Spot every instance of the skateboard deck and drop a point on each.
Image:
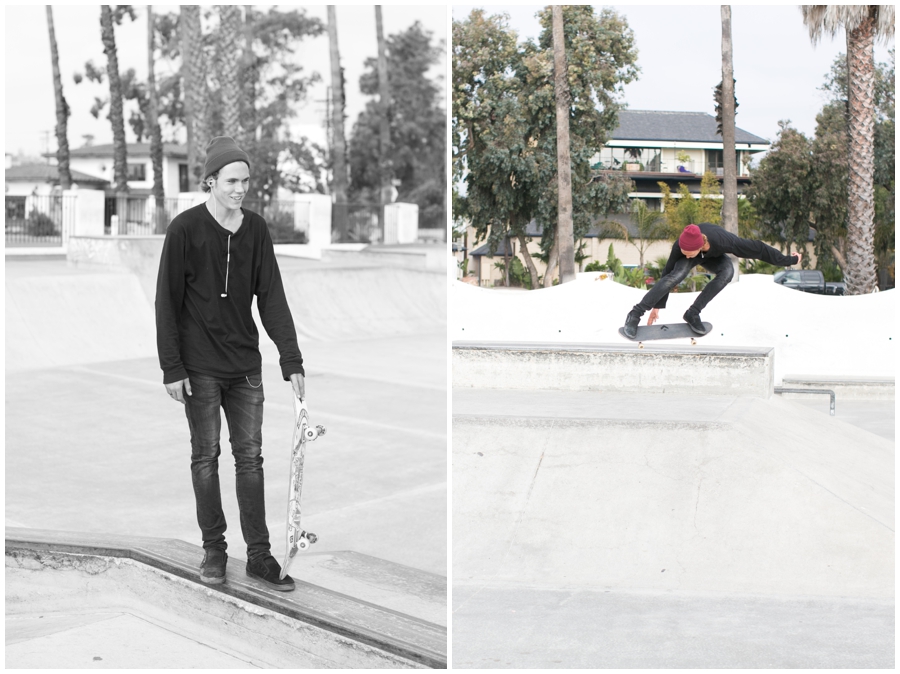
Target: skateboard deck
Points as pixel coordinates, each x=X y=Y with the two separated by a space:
x=648 y=333
x=297 y=538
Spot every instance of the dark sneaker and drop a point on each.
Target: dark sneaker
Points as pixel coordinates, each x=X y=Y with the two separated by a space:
x=267 y=570
x=631 y=324
x=212 y=568
x=692 y=318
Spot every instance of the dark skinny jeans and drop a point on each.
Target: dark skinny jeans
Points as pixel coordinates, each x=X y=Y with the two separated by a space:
x=242 y=400
x=720 y=266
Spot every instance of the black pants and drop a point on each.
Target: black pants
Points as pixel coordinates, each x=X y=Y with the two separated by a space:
x=720 y=267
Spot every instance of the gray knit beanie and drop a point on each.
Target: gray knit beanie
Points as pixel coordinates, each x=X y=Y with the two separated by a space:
x=221 y=151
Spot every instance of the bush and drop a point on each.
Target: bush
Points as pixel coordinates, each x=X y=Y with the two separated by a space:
x=518 y=275
x=40 y=224
x=281 y=227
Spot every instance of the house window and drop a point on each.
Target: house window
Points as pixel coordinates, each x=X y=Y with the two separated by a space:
x=183 y=178
x=715 y=162
x=137 y=172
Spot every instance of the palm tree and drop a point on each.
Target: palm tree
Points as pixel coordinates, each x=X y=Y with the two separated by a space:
x=729 y=179
x=649 y=225
x=116 y=114
x=863 y=24
x=156 y=150
x=227 y=41
x=384 y=107
x=565 y=233
x=62 y=111
x=339 y=143
x=193 y=73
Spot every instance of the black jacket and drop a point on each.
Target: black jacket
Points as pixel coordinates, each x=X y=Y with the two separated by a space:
x=722 y=242
x=200 y=331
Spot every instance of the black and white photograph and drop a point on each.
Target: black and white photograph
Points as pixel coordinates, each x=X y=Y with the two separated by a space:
x=226 y=357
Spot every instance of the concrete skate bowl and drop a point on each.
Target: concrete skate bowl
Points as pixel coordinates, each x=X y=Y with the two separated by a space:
x=660 y=507
x=100 y=307
x=347 y=301
x=708 y=504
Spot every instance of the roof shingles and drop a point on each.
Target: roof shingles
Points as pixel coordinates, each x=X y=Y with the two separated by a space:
x=675 y=126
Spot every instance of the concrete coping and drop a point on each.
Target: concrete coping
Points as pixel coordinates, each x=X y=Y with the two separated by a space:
x=837 y=379
x=387 y=630
x=585 y=347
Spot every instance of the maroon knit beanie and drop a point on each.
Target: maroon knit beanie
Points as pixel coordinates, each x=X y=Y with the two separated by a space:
x=691 y=238
x=220 y=152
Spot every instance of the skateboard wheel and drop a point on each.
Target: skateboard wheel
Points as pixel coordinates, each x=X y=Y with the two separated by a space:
x=321 y=430
x=303 y=544
x=312 y=538
x=310 y=434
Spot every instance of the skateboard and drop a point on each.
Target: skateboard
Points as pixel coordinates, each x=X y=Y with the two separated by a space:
x=297 y=538
x=648 y=333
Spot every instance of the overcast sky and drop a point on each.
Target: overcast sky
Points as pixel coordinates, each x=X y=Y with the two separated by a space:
x=29 y=105
x=778 y=71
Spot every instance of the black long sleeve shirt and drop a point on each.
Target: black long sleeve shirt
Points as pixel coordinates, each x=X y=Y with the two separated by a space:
x=722 y=242
x=199 y=330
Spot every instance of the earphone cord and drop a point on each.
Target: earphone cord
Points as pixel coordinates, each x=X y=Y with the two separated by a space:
x=227 y=265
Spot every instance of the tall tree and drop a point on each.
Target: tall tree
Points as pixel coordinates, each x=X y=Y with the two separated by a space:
x=862 y=23
x=504 y=124
x=189 y=28
x=156 y=147
x=418 y=128
x=62 y=110
x=228 y=39
x=729 y=154
x=384 y=110
x=565 y=233
x=338 y=150
x=116 y=114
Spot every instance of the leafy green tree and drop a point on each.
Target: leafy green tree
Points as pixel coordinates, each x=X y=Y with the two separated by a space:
x=710 y=210
x=504 y=122
x=781 y=188
x=417 y=129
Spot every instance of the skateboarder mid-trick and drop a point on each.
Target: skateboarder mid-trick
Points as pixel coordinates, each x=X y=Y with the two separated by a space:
x=215 y=258
x=704 y=244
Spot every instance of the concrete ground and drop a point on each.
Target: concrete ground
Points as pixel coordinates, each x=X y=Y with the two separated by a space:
x=554 y=561
x=555 y=629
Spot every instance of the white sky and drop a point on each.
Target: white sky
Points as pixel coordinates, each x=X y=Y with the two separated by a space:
x=777 y=69
x=30 y=113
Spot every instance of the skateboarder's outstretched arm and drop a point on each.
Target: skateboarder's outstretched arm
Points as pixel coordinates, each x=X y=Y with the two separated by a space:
x=757 y=250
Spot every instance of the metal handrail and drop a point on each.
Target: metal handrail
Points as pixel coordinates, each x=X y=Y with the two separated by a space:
x=780 y=389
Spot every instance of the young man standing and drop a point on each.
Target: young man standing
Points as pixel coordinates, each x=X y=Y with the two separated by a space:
x=704 y=244
x=215 y=258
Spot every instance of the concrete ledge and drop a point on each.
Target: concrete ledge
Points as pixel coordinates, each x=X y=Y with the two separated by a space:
x=845 y=388
x=694 y=370
x=382 y=637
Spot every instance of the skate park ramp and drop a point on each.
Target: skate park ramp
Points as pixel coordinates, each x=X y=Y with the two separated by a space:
x=87 y=419
x=623 y=510
x=811 y=334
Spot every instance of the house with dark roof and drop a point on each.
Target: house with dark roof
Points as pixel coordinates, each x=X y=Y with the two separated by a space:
x=650 y=147
x=37 y=179
x=98 y=160
x=672 y=147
